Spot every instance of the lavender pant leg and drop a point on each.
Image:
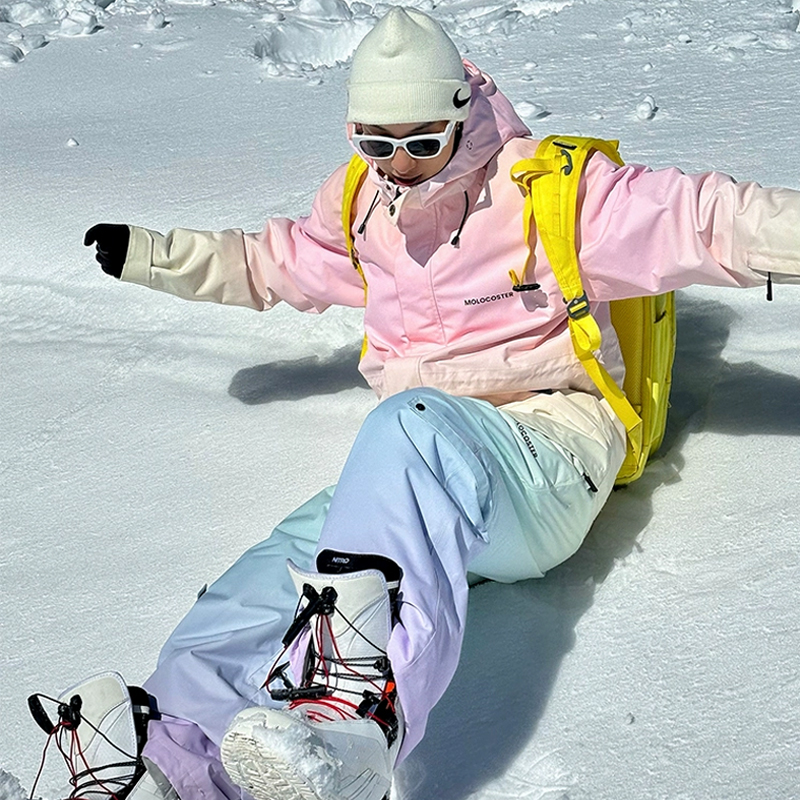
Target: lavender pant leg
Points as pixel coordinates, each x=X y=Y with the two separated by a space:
x=190 y=761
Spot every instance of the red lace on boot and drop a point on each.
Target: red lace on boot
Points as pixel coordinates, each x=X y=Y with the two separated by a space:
x=88 y=782
x=333 y=686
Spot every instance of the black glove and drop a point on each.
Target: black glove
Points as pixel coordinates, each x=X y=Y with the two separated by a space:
x=112 y=246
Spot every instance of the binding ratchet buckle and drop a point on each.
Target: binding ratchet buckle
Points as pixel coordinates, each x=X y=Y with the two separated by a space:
x=578 y=307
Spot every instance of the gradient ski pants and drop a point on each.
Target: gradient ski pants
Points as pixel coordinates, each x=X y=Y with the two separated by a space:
x=444 y=486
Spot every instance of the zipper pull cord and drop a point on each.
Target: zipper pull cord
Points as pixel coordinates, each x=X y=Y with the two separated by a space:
x=456 y=240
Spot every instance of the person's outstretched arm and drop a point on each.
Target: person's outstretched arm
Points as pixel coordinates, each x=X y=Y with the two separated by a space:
x=650 y=231
x=303 y=262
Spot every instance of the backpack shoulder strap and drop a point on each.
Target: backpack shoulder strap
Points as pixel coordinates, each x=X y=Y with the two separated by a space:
x=550 y=181
x=353 y=181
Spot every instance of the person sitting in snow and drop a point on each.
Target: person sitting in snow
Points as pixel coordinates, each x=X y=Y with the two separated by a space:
x=490 y=451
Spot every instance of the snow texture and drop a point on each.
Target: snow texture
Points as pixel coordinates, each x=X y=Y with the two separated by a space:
x=147 y=442
x=10 y=788
x=307 y=757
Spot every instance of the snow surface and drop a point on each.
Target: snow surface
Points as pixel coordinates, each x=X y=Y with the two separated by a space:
x=146 y=442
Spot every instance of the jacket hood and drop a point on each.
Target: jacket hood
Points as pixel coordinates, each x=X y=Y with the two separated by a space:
x=491 y=123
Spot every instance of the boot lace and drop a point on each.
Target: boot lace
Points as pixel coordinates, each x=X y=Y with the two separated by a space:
x=333 y=686
x=88 y=782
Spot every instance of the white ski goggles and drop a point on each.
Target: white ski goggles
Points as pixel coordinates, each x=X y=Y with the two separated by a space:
x=422 y=145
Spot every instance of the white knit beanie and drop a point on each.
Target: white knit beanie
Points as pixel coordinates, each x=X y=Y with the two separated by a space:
x=407 y=69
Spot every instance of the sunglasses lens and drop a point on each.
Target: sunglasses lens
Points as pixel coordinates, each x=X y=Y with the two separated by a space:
x=423 y=148
x=374 y=148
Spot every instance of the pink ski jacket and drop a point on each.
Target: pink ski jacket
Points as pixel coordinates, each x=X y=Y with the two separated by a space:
x=440 y=310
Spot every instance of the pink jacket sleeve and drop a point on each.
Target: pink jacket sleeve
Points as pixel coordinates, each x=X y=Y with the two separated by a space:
x=305 y=262
x=647 y=232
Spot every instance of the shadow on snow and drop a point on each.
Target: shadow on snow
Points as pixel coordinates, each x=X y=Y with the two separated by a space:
x=299 y=378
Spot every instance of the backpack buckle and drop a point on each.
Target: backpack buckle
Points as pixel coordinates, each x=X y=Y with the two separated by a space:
x=565 y=148
x=578 y=307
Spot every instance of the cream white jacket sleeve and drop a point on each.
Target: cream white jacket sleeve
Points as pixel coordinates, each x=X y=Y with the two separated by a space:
x=194 y=265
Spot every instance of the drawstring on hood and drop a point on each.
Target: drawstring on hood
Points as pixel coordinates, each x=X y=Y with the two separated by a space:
x=363 y=226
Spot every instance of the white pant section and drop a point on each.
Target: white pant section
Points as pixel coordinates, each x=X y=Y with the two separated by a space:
x=446 y=487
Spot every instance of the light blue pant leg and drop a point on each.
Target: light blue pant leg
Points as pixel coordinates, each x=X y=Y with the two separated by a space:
x=213 y=664
x=441 y=485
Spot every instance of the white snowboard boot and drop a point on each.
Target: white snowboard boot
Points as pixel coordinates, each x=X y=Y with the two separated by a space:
x=100 y=733
x=339 y=735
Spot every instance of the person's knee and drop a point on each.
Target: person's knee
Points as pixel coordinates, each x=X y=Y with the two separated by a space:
x=410 y=400
x=437 y=425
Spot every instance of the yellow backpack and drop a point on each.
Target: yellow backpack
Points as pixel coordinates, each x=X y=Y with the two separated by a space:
x=645 y=325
